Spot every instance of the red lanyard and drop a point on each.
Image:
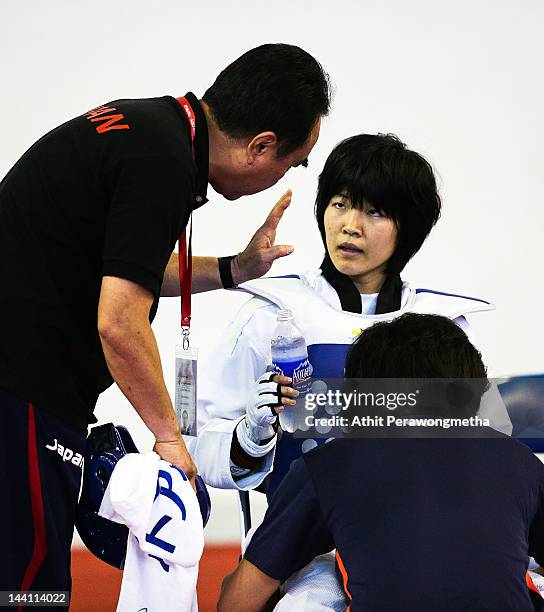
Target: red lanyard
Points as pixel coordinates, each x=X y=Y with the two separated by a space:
x=185 y=258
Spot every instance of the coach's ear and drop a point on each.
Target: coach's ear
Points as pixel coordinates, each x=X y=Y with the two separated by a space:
x=264 y=146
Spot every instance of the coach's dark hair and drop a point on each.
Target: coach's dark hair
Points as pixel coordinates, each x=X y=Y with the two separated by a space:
x=419 y=346
x=378 y=170
x=276 y=87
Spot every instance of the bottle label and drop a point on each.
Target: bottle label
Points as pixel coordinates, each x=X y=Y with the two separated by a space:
x=299 y=371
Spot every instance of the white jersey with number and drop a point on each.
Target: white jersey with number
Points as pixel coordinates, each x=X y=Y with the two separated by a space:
x=166 y=536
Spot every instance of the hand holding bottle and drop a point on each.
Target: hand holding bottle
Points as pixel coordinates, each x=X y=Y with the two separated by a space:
x=268 y=398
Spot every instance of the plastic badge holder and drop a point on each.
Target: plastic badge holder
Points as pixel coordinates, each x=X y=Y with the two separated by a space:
x=185 y=403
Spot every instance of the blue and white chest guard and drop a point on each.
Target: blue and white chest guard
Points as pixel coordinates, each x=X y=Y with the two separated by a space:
x=329 y=331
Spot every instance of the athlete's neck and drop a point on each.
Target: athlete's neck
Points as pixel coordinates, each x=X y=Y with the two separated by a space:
x=370 y=282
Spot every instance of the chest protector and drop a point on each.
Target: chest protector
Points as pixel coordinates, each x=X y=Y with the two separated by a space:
x=329 y=332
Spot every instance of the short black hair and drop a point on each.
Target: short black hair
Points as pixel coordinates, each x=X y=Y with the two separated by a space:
x=380 y=171
x=418 y=346
x=414 y=346
x=276 y=87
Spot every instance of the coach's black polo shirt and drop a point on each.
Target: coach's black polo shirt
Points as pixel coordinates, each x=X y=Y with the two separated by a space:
x=420 y=525
x=105 y=194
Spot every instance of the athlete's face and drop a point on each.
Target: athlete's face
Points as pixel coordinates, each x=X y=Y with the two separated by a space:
x=257 y=166
x=359 y=242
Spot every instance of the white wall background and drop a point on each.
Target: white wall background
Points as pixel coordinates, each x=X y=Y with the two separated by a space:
x=459 y=81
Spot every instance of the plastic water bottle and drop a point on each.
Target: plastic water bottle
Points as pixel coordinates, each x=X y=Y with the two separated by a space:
x=290 y=358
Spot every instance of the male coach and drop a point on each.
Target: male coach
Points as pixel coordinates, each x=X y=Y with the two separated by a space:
x=89 y=218
x=420 y=522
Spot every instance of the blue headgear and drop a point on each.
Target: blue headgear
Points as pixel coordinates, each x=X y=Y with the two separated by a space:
x=106 y=445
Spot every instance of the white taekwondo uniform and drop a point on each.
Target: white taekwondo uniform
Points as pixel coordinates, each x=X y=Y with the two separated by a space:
x=243 y=354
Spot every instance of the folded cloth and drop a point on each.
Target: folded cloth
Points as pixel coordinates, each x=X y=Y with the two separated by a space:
x=157 y=503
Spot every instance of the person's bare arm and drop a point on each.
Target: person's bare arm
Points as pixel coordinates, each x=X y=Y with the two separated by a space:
x=205 y=276
x=133 y=359
x=254 y=261
x=247 y=589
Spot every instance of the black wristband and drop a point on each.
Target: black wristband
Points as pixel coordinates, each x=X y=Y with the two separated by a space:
x=239 y=456
x=225 y=271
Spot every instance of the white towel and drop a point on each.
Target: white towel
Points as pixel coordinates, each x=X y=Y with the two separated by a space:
x=166 y=539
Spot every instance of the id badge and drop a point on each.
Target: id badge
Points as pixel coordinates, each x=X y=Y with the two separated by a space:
x=185 y=395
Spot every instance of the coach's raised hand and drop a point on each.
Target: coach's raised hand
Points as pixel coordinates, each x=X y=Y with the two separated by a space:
x=261 y=252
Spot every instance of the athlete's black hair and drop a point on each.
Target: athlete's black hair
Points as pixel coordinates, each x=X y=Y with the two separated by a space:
x=276 y=87
x=380 y=171
x=420 y=346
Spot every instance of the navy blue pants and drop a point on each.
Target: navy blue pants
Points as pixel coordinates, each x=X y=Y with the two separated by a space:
x=40 y=473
